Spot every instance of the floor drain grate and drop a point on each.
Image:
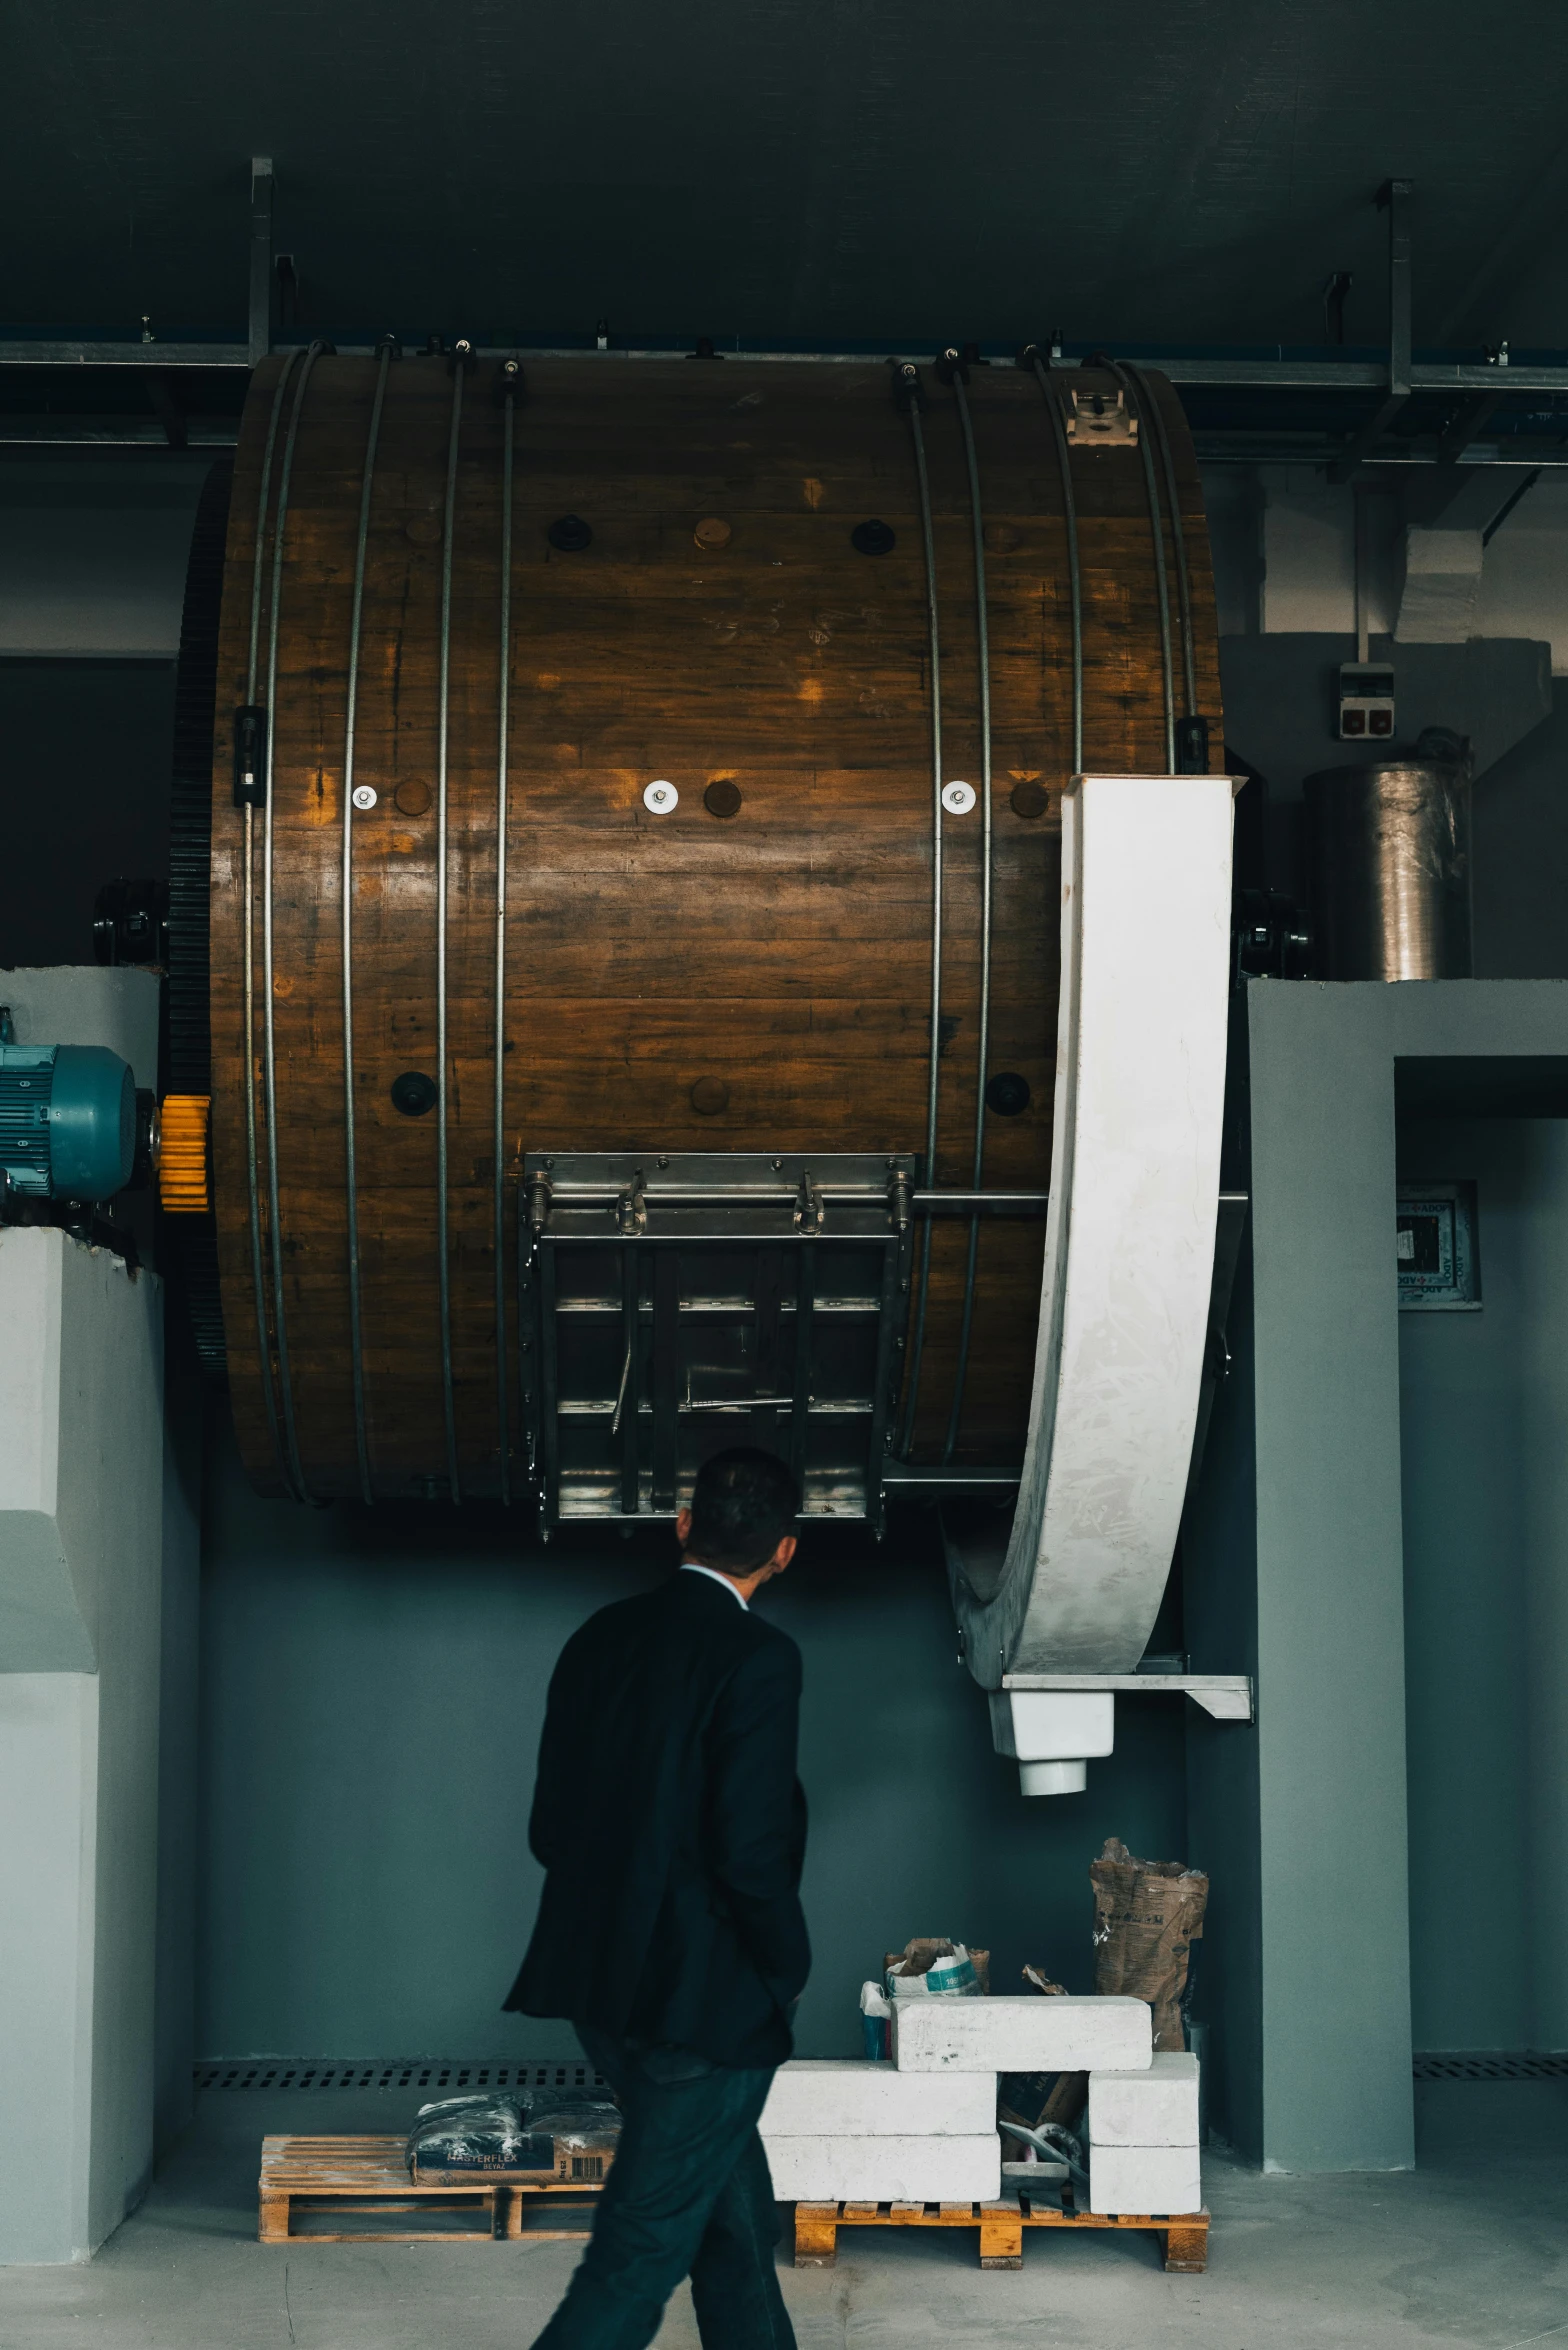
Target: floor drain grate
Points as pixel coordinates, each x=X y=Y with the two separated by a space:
x=449 y=2076
x=1492 y=2065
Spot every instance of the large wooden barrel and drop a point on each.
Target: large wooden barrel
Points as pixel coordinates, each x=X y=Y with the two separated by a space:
x=672 y=575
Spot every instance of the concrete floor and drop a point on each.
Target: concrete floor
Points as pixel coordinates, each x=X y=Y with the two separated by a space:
x=1471 y=2248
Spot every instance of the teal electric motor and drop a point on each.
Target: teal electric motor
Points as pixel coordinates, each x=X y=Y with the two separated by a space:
x=68 y=1121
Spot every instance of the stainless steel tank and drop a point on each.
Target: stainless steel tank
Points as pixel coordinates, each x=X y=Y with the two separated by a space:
x=1391 y=855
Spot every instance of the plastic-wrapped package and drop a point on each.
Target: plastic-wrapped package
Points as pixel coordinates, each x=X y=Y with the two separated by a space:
x=469 y=2134
x=566 y=2139
x=583 y=2134
x=930 y=1968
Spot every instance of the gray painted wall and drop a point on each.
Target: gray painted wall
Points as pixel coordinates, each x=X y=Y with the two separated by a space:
x=1520 y=843
x=373 y=1692
x=1484 y=1416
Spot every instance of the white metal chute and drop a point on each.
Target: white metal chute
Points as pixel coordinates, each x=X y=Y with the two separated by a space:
x=1129 y=1251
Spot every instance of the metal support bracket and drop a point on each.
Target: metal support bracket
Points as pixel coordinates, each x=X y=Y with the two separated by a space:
x=673 y=1301
x=263 y=282
x=1394 y=198
x=1228 y=1697
x=1471 y=421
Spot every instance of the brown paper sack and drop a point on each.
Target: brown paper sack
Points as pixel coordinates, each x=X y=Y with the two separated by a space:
x=1146 y=1913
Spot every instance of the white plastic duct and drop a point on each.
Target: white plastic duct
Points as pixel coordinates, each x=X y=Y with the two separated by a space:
x=1129 y=1246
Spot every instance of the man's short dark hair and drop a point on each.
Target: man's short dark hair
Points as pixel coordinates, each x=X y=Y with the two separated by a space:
x=743 y=1504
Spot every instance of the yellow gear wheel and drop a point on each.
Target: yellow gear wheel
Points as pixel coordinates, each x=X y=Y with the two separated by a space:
x=183 y=1187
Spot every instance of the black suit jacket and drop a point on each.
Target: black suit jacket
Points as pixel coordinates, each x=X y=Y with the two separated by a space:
x=672 y=1829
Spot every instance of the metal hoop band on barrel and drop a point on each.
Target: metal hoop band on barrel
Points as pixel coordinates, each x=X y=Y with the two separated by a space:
x=1070 y=522
x=1151 y=408
x=913 y=396
x=1138 y=406
x=350 y=1158
x=274 y=1232
x=971 y=1264
x=443 y=1238
x=503 y=1428
x=253 y=1177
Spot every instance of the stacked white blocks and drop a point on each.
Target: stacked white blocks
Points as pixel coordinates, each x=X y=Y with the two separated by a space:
x=1143 y=2138
x=923 y=2129
x=856 y=2132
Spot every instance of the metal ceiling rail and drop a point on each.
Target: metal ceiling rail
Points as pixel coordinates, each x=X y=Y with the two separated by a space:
x=1399 y=376
x=1213 y=373
x=66 y=353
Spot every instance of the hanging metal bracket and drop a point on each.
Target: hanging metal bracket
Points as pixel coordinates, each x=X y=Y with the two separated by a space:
x=1394 y=198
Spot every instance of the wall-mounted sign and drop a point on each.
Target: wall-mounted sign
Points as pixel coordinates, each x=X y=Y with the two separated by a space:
x=1438 y=1246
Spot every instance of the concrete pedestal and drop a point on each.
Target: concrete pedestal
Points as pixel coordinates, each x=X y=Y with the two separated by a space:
x=81 y=1524
x=1294 y=1557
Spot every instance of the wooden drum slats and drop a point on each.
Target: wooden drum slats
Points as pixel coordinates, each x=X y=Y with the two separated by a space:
x=784 y=950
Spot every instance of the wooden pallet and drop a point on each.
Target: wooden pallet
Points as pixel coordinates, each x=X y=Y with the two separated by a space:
x=367 y=2178
x=1001 y=2227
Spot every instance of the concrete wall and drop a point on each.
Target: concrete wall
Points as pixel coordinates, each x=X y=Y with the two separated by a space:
x=1285 y=548
x=92 y=554
x=1484 y=1417
x=85 y=752
x=373 y=1692
x=1520 y=856
x=80 y=1564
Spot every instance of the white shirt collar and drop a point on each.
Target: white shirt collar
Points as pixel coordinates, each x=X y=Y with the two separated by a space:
x=690 y=1567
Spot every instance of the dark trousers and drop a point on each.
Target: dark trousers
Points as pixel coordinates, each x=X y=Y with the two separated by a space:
x=688 y=2195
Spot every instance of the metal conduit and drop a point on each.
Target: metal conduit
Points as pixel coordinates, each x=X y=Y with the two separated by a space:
x=501 y=1404
x=258 y=1282
x=1070 y=520
x=984 y=1044
x=1151 y=408
x=911 y=392
x=274 y=1223
x=1157 y=526
x=443 y=1267
x=351 y=1167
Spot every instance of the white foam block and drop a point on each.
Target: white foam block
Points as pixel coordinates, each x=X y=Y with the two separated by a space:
x=1154 y=2108
x=853 y=2098
x=1161 y=2179
x=885 y=2170
x=1037 y=2034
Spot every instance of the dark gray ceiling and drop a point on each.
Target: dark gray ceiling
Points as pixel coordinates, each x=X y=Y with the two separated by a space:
x=1169 y=170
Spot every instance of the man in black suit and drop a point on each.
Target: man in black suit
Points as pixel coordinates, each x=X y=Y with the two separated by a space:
x=672 y=1828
